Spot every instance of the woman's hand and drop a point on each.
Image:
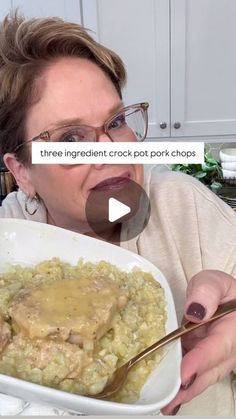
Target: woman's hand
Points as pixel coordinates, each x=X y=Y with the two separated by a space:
x=210 y=351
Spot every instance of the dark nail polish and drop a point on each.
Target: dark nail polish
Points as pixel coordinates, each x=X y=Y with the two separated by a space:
x=196 y=310
x=189 y=382
x=175 y=410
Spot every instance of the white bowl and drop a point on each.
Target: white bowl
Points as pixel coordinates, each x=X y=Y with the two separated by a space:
x=229 y=165
x=228 y=155
x=27 y=243
x=229 y=174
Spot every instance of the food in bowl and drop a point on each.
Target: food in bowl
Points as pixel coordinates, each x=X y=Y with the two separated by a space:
x=69 y=327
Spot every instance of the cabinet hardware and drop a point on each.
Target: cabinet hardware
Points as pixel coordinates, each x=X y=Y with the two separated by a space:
x=177 y=125
x=163 y=125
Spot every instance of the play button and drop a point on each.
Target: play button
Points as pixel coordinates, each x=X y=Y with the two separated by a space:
x=117 y=204
x=117 y=210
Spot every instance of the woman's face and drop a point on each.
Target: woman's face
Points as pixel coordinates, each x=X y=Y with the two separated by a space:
x=73 y=88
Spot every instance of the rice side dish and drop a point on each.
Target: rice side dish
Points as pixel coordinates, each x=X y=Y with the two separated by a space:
x=70 y=327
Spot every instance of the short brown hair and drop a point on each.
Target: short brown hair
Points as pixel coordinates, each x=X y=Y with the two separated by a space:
x=27 y=47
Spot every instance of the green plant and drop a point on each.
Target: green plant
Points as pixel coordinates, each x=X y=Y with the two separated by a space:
x=209 y=172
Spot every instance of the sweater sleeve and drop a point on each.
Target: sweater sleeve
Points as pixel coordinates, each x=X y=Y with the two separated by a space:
x=201 y=225
x=217 y=230
x=13 y=206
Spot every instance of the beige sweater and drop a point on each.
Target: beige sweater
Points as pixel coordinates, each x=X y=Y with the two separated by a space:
x=190 y=229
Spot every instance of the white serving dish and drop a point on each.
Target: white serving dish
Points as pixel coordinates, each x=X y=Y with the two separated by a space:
x=27 y=243
x=228 y=155
x=231 y=165
x=229 y=174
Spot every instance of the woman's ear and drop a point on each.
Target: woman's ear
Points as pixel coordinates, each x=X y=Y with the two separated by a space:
x=21 y=174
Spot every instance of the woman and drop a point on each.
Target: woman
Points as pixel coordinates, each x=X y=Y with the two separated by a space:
x=55 y=80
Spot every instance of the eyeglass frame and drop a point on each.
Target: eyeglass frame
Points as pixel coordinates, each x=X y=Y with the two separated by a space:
x=45 y=135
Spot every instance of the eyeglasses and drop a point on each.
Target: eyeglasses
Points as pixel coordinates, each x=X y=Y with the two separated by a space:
x=129 y=124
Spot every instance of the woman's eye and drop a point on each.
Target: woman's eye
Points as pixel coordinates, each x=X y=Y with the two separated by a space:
x=72 y=137
x=69 y=139
x=118 y=122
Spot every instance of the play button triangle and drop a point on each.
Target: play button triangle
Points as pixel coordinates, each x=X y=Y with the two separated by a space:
x=116 y=209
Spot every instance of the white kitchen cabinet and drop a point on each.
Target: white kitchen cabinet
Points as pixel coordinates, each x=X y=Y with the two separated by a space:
x=138 y=30
x=180 y=56
x=4 y=8
x=203 y=67
x=67 y=9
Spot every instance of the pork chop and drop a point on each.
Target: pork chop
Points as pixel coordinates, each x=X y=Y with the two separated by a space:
x=5 y=333
x=77 y=310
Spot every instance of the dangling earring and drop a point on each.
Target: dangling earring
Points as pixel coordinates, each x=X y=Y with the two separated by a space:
x=32 y=204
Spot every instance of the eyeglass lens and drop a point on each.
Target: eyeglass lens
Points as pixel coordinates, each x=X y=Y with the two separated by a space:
x=129 y=125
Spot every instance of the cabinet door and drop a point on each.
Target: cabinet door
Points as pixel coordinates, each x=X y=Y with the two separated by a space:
x=67 y=9
x=138 y=30
x=5 y=7
x=203 y=67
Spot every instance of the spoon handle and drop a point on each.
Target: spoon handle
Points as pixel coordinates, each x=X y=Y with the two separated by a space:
x=221 y=311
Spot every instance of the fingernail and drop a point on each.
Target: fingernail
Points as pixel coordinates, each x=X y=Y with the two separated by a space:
x=175 y=410
x=189 y=382
x=196 y=310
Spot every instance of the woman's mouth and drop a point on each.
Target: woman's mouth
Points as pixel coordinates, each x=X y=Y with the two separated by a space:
x=113 y=183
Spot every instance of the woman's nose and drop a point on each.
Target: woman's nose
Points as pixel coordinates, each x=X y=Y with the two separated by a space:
x=103 y=138
x=98 y=166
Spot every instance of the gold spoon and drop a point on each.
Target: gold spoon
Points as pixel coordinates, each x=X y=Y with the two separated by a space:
x=120 y=375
